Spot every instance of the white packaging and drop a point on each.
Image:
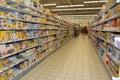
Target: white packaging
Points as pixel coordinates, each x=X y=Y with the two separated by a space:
x=117 y=42
x=118 y=1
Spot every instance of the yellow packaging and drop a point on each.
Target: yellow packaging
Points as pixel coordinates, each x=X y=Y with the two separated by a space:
x=43 y=20
x=20 y=1
x=1 y=65
x=13 y=25
x=3 y=78
x=6 y=36
x=1 y=13
x=10 y=73
x=2 y=36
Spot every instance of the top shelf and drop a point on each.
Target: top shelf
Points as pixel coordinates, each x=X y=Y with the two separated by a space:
x=106 y=21
x=112 y=6
x=23 y=5
x=5 y=8
x=10 y=1
x=16 y=10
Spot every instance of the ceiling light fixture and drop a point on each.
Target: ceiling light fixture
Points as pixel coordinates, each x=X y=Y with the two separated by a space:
x=76 y=9
x=95 y=1
x=54 y=4
x=79 y=5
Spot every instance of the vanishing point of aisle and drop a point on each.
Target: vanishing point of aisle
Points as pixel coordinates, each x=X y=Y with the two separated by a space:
x=76 y=60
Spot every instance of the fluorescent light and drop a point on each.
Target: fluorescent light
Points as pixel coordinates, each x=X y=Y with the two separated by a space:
x=76 y=9
x=70 y=6
x=95 y=1
x=49 y=4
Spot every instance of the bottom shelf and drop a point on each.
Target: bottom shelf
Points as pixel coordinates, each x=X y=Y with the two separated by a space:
x=103 y=61
x=21 y=73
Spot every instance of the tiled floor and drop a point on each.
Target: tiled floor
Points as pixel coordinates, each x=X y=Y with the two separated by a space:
x=76 y=60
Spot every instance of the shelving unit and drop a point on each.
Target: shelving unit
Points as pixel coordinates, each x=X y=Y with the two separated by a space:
x=103 y=31
x=27 y=37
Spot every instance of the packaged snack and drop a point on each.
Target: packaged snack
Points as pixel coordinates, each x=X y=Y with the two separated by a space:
x=3 y=76
x=3 y=23
x=3 y=50
x=22 y=66
x=2 y=36
x=6 y=62
x=113 y=23
x=14 y=24
x=9 y=24
x=17 y=46
x=10 y=48
x=2 y=14
x=118 y=23
x=1 y=65
x=10 y=73
x=117 y=9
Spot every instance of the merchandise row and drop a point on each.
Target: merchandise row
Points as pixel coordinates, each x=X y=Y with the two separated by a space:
x=16 y=47
x=15 y=64
x=11 y=24
x=9 y=36
x=12 y=12
x=106 y=15
x=111 y=38
x=112 y=25
x=12 y=6
x=109 y=55
x=27 y=35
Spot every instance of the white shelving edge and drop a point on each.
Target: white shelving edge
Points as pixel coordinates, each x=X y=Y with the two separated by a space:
x=106 y=41
x=26 y=49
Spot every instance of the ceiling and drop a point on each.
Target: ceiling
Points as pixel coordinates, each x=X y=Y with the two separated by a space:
x=74 y=15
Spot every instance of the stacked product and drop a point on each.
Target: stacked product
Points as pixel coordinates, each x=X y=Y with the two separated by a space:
x=105 y=33
x=27 y=35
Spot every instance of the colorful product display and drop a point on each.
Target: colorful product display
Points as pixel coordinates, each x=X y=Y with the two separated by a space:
x=27 y=35
x=105 y=33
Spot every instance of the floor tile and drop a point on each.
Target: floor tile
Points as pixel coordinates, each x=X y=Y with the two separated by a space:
x=76 y=60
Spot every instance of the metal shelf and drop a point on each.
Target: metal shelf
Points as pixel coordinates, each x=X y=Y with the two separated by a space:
x=114 y=31
x=3 y=29
x=25 y=12
x=13 y=2
x=18 y=40
x=26 y=39
x=16 y=10
x=22 y=72
x=114 y=17
x=25 y=21
x=8 y=55
x=112 y=6
x=110 y=56
x=111 y=74
x=1 y=71
x=50 y=40
x=106 y=41
x=25 y=49
x=20 y=61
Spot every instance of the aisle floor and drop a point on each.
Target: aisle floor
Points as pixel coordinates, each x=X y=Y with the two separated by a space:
x=76 y=60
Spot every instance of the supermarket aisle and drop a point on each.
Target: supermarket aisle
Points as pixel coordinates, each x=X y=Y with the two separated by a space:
x=76 y=60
